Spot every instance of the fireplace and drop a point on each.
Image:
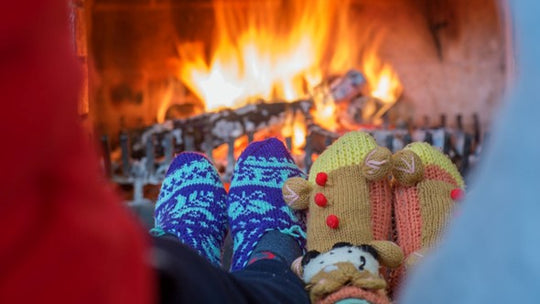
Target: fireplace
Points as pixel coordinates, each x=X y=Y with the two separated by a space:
x=162 y=75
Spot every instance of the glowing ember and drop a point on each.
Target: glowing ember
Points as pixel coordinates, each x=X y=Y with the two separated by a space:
x=324 y=114
x=299 y=138
x=295 y=128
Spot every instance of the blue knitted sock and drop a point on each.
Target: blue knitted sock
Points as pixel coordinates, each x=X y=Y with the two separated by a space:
x=191 y=205
x=255 y=202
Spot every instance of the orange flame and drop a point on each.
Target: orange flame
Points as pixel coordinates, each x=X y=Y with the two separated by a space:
x=295 y=129
x=280 y=49
x=265 y=49
x=383 y=82
x=165 y=103
x=325 y=112
x=299 y=136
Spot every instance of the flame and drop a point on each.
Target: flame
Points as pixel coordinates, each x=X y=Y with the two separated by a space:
x=299 y=138
x=265 y=49
x=295 y=129
x=165 y=103
x=282 y=49
x=324 y=113
x=383 y=81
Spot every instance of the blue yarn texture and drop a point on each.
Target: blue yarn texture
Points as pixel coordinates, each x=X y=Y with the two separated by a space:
x=255 y=202
x=192 y=206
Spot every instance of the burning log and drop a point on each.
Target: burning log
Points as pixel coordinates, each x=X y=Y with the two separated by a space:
x=342 y=88
x=207 y=131
x=362 y=110
x=231 y=124
x=355 y=105
x=320 y=138
x=151 y=150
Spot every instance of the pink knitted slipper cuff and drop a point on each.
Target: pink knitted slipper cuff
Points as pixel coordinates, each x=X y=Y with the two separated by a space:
x=347 y=292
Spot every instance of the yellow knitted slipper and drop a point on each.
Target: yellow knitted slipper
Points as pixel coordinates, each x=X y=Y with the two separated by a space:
x=348 y=193
x=426 y=186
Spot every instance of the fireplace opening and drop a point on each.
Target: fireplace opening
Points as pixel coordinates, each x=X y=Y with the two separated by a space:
x=167 y=76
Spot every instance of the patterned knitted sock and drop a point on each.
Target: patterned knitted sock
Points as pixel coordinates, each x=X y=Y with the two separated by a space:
x=255 y=202
x=191 y=206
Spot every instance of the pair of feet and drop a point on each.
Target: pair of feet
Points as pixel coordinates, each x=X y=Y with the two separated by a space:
x=194 y=206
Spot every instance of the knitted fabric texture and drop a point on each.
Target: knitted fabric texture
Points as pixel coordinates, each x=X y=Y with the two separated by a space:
x=255 y=203
x=422 y=209
x=350 y=149
x=431 y=156
x=348 y=199
x=350 y=292
x=380 y=195
x=344 y=204
x=191 y=205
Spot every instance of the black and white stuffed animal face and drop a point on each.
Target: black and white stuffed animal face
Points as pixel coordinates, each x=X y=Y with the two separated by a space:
x=363 y=257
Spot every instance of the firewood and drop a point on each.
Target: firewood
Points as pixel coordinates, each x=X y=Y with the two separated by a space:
x=209 y=130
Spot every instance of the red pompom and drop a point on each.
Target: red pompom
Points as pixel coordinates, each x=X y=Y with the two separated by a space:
x=321 y=179
x=457 y=194
x=320 y=200
x=332 y=221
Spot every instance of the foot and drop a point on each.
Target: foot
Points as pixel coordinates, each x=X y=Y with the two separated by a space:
x=255 y=202
x=192 y=206
x=427 y=186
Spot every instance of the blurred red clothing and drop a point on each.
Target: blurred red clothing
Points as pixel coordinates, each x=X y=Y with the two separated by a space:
x=64 y=238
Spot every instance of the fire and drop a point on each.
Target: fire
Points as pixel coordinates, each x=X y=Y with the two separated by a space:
x=388 y=88
x=299 y=137
x=295 y=130
x=325 y=112
x=383 y=82
x=165 y=103
x=281 y=49
x=267 y=49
